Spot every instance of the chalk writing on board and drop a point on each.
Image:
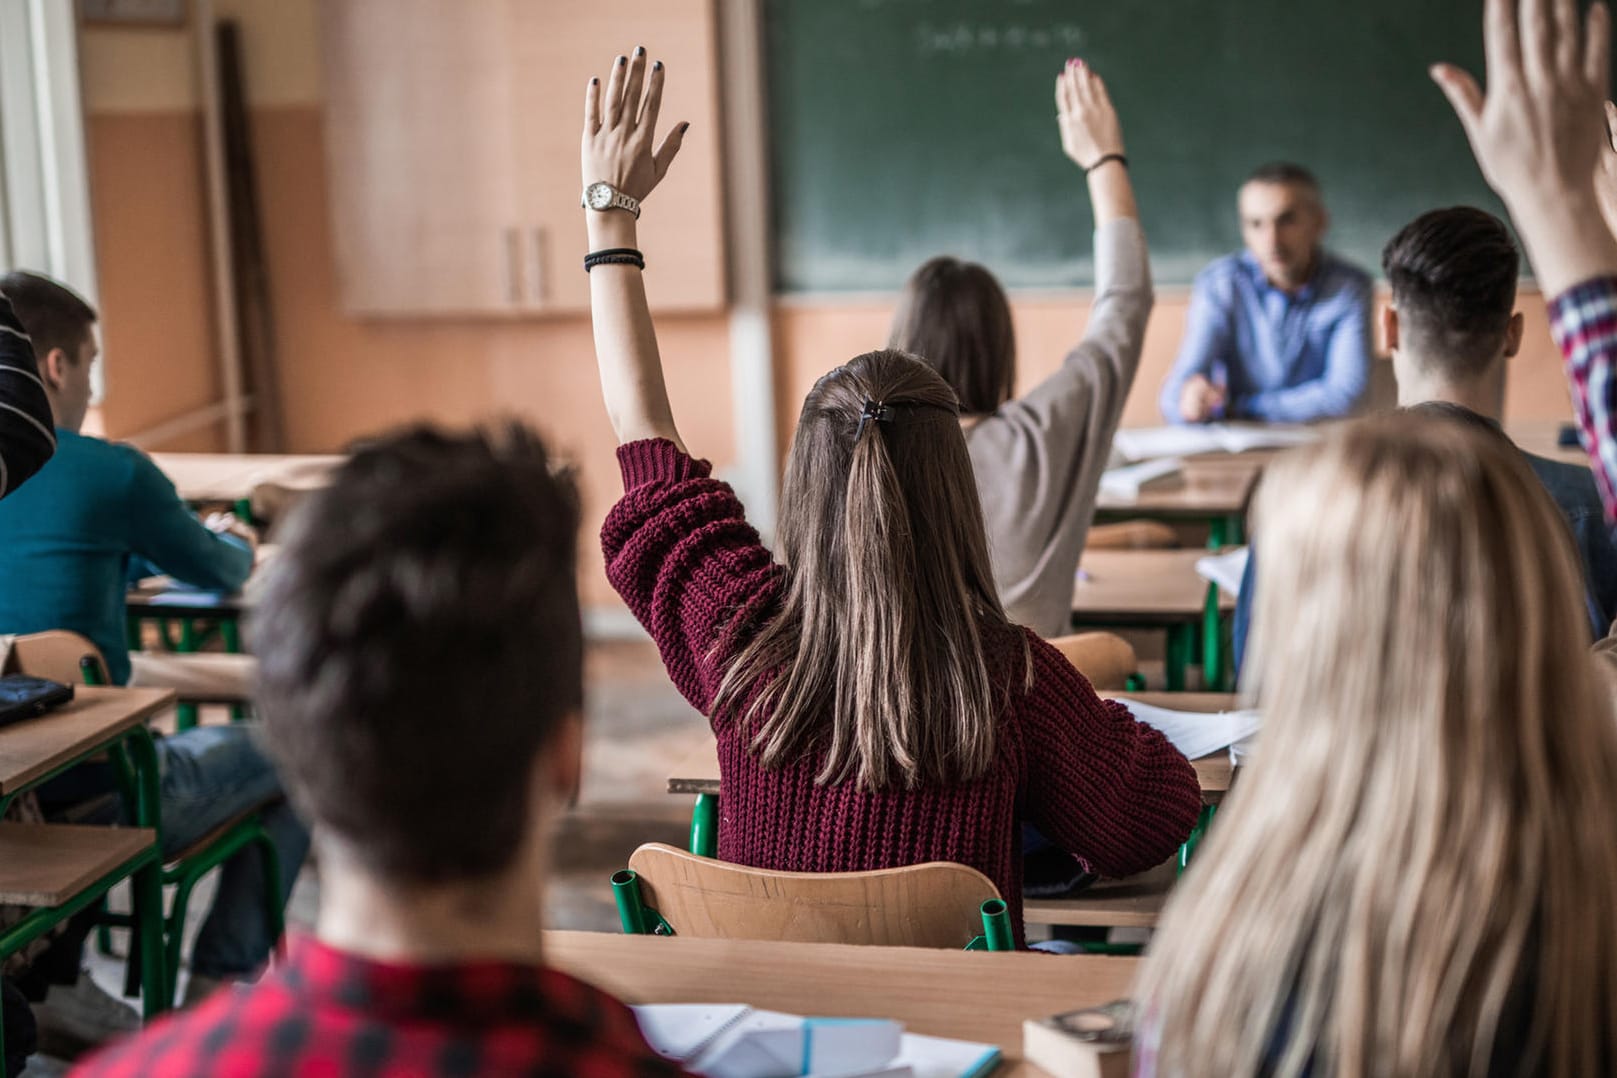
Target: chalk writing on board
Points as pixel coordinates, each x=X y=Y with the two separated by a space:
x=957 y=38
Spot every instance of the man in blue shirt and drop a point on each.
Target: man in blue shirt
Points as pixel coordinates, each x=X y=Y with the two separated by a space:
x=1279 y=333
x=1452 y=329
x=67 y=540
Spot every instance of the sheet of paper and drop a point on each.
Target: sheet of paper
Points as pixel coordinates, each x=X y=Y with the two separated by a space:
x=680 y=1030
x=1243 y=437
x=939 y=1057
x=1128 y=481
x=1197 y=733
x=1149 y=443
x=1227 y=570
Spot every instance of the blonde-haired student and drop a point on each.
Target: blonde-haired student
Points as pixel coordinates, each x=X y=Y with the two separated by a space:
x=1417 y=875
x=873 y=705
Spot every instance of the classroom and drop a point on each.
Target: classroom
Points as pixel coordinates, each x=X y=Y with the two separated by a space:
x=1087 y=547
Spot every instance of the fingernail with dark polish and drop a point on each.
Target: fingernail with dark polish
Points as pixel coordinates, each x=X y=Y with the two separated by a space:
x=622 y=60
x=639 y=50
x=594 y=81
x=658 y=66
x=684 y=127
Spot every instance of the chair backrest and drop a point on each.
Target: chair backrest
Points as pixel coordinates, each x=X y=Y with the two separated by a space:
x=55 y=655
x=1106 y=659
x=937 y=904
x=1132 y=535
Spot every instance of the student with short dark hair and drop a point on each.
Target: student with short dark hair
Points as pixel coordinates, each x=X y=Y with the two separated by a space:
x=874 y=706
x=67 y=540
x=1279 y=332
x=422 y=687
x=1452 y=328
x=1038 y=458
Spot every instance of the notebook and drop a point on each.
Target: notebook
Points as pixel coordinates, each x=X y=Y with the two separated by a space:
x=1149 y=443
x=1127 y=482
x=735 y=1041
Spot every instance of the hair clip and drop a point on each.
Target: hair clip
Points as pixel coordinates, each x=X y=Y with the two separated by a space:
x=876 y=410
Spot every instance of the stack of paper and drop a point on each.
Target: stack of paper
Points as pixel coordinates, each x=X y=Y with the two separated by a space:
x=1226 y=570
x=1150 y=443
x=1127 y=482
x=1198 y=733
x=731 y=1040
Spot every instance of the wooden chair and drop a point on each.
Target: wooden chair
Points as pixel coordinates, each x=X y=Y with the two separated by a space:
x=1106 y=659
x=68 y=657
x=1132 y=535
x=938 y=904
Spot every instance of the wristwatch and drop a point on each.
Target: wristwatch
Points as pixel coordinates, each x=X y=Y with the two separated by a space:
x=603 y=196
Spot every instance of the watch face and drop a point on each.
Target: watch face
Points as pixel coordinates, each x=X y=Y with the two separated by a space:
x=599 y=195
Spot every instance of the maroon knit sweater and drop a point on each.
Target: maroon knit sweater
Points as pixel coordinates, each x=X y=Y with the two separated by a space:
x=1104 y=787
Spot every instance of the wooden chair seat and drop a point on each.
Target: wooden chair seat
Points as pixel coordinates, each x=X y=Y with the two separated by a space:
x=1106 y=659
x=47 y=864
x=207 y=840
x=1132 y=535
x=932 y=905
x=1135 y=902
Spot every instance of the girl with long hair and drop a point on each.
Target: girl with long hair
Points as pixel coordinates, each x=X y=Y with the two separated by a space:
x=873 y=705
x=1038 y=458
x=1417 y=873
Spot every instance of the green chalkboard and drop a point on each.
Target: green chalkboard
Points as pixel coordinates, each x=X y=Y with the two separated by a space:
x=901 y=129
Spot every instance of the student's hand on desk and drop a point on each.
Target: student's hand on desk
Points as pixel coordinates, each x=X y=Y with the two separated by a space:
x=230 y=524
x=1084 y=112
x=1200 y=400
x=619 y=123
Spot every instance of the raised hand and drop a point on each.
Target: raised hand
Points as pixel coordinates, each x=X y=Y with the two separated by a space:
x=1606 y=182
x=619 y=123
x=1084 y=112
x=1536 y=132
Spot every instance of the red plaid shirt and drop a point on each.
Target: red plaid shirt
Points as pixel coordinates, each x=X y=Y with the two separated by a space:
x=324 y=1012
x=1584 y=322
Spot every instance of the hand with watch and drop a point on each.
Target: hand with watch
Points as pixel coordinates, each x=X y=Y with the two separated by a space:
x=620 y=167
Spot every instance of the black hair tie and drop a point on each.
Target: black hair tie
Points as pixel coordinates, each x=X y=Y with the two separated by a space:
x=876 y=410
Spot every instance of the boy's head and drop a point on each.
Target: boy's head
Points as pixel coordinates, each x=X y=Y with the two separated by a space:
x=1453 y=279
x=62 y=327
x=421 y=656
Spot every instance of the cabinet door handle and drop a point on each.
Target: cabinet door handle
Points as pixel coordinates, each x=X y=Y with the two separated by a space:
x=537 y=235
x=511 y=244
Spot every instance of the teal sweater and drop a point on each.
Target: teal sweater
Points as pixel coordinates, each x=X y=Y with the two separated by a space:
x=68 y=537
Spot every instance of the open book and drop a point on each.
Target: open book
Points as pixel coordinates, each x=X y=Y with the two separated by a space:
x=732 y=1040
x=1149 y=443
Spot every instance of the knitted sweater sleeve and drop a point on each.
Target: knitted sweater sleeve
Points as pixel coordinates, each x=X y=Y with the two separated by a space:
x=683 y=557
x=1108 y=789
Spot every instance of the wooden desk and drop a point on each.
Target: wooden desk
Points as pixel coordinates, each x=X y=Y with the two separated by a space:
x=1156 y=589
x=971 y=995
x=698 y=772
x=235 y=477
x=95 y=719
x=159 y=597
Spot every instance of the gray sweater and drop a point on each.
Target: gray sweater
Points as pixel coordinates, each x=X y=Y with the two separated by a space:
x=1039 y=458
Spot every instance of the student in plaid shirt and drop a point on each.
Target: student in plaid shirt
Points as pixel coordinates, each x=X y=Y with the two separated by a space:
x=421 y=686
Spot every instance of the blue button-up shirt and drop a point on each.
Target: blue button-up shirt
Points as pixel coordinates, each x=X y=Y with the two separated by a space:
x=1282 y=358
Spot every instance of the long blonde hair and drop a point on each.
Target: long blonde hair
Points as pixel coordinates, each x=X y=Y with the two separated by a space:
x=1417 y=875
x=882 y=653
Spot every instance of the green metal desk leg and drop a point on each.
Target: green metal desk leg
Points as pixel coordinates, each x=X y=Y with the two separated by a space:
x=1215 y=532
x=147 y=883
x=1197 y=833
x=1178 y=656
x=1212 y=643
x=705 y=826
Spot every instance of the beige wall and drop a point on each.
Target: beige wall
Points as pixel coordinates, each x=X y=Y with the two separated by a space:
x=341 y=378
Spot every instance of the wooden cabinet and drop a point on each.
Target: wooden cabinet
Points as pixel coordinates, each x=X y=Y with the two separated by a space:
x=452 y=132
